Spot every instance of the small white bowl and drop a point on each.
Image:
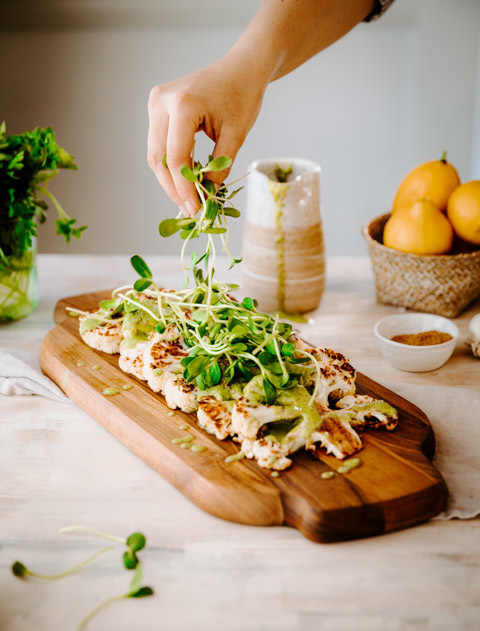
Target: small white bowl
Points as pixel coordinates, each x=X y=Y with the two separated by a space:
x=415 y=358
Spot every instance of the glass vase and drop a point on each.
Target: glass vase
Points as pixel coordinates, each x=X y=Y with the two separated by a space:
x=18 y=285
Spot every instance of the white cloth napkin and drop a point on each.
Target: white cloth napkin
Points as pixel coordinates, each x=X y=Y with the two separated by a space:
x=455 y=417
x=21 y=374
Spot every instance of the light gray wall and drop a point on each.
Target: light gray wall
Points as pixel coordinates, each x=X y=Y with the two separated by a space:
x=389 y=95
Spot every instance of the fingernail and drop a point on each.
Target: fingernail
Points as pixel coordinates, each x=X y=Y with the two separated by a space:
x=189 y=208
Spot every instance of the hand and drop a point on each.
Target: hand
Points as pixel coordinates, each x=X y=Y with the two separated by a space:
x=223 y=100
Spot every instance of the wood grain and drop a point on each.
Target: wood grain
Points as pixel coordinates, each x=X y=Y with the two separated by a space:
x=396 y=487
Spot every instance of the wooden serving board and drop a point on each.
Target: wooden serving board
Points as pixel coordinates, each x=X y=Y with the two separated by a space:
x=397 y=486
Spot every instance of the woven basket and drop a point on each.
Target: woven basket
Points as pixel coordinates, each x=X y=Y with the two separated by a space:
x=443 y=284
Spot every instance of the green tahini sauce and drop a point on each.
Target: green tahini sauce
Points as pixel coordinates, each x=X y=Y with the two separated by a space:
x=278 y=191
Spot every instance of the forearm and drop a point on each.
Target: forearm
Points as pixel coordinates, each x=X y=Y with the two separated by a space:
x=286 y=33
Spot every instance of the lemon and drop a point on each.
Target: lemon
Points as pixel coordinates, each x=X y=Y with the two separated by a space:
x=420 y=229
x=435 y=180
x=464 y=211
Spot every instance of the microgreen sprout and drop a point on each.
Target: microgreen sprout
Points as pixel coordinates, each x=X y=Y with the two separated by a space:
x=21 y=571
x=135 y=590
x=228 y=341
x=134 y=543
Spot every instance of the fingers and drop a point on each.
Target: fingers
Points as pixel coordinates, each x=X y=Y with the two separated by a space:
x=180 y=140
x=157 y=146
x=228 y=144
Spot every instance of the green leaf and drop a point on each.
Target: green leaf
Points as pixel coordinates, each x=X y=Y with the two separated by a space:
x=198 y=365
x=212 y=210
x=215 y=230
x=18 y=569
x=210 y=186
x=234 y=262
x=249 y=303
x=140 y=266
x=233 y=193
x=168 y=227
x=270 y=346
x=142 y=283
x=188 y=174
x=298 y=360
x=270 y=391
x=244 y=372
x=142 y=592
x=267 y=358
x=215 y=374
x=231 y=212
x=218 y=164
x=200 y=381
x=136 y=541
x=106 y=305
x=229 y=373
x=288 y=350
x=164 y=160
x=130 y=560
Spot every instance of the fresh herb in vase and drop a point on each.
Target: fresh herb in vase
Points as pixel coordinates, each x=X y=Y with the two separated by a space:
x=28 y=162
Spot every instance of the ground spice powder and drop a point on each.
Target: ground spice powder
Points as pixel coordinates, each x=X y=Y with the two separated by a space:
x=425 y=338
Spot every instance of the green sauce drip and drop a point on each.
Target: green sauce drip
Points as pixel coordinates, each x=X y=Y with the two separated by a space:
x=183 y=439
x=184 y=426
x=274 y=474
x=127 y=386
x=234 y=457
x=293 y=317
x=348 y=465
x=80 y=364
x=171 y=413
x=90 y=324
x=198 y=448
x=96 y=367
x=278 y=191
x=327 y=475
x=111 y=391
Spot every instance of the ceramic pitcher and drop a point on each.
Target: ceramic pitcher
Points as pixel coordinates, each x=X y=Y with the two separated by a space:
x=283 y=250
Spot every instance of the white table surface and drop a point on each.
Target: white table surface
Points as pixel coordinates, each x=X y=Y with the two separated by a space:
x=59 y=467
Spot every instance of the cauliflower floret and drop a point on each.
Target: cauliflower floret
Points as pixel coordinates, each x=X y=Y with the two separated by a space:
x=180 y=394
x=249 y=416
x=364 y=411
x=102 y=336
x=336 y=435
x=215 y=416
x=131 y=359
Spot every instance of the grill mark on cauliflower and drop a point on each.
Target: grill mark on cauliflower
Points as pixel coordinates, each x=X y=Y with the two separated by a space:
x=106 y=337
x=131 y=359
x=365 y=411
x=162 y=358
x=215 y=416
x=336 y=435
x=180 y=394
